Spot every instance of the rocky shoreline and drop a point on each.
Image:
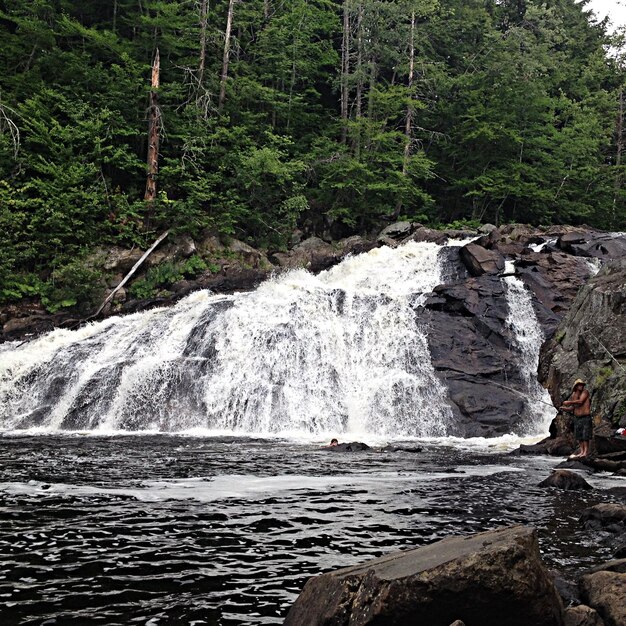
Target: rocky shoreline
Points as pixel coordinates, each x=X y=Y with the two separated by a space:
x=491 y=578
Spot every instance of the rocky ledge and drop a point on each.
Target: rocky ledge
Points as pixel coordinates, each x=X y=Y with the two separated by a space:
x=590 y=343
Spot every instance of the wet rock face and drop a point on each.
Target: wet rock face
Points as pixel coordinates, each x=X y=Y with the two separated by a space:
x=554 y=277
x=491 y=579
x=470 y=348
x=590 y=343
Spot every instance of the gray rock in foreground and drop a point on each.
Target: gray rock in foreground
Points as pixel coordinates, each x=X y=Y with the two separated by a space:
x=488 y=579
x=606 y=593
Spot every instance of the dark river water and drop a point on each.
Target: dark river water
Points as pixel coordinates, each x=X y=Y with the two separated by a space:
x=157 y=530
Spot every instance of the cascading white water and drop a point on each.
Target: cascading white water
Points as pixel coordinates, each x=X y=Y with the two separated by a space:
x=340 y=352
x=527 y=339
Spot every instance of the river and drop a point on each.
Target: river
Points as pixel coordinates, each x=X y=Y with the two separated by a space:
x=166 y=529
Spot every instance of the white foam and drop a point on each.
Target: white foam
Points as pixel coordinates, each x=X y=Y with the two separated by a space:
x=246 y=485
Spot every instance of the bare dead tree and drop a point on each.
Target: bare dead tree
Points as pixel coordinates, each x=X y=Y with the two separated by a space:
x=8 y=126
x=226 y=56
x=154 y=131
x=358 y=101
x=408 y=125
x=345 y=70
x=204 y=22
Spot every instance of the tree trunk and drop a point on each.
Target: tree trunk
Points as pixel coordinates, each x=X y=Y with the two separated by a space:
x=266 y=10
x=154 y=129
x=225 y=60
x=345 y=70
x=359 y=82
x=408 y=126
x=114 y=15
x=204 y=18
x=130 y=274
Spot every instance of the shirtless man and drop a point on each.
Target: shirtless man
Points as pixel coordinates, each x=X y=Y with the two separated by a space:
x=580 y=404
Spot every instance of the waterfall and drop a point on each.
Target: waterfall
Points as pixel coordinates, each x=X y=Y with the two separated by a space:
x=341 y=352
x=527 y=339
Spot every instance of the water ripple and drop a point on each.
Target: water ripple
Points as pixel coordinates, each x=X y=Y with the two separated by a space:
x=173 y=530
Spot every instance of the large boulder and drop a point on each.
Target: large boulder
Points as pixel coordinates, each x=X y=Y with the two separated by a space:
x=566 y=480
x=120 y=259
x=312 y=254
x=427 y=234
x=604 y=515
x=491 y=578
x=399 y=230
x=606 y=593
x=481 y=261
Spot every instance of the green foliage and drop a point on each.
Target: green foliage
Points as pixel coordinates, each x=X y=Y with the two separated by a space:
x=72 y=284
x=602 y=375
x=463 y=224
x=165 y=274
x=511 y=107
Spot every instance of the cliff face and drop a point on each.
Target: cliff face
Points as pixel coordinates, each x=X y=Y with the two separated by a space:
x=590 y=343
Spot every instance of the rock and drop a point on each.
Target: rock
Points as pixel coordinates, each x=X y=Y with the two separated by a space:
x=596 y=244
x=121 y=295
x=387 y=241
x=568 y=591
x=457 y=622
x=186 y=246
x=30 y=325
x=210 y=246
x=617 y=565
x=427 y=234
x=399 y=230
x=459 y=235
x=248 y=255
x=564 y=479
x=312 y=254
x=555 y=278
x=581 y=616
x=606 y=593
x=485 y=229
x=604 y=515
x=121 y=260
x=469 y=341
x=491 y=578
x=163 y=254
x=392 y=448
x=356 y=245
x=574 y=465
x=182 y=287
x=481 y=261
x=586 y=342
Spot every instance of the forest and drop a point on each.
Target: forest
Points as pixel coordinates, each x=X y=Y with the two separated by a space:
x=251 y=118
